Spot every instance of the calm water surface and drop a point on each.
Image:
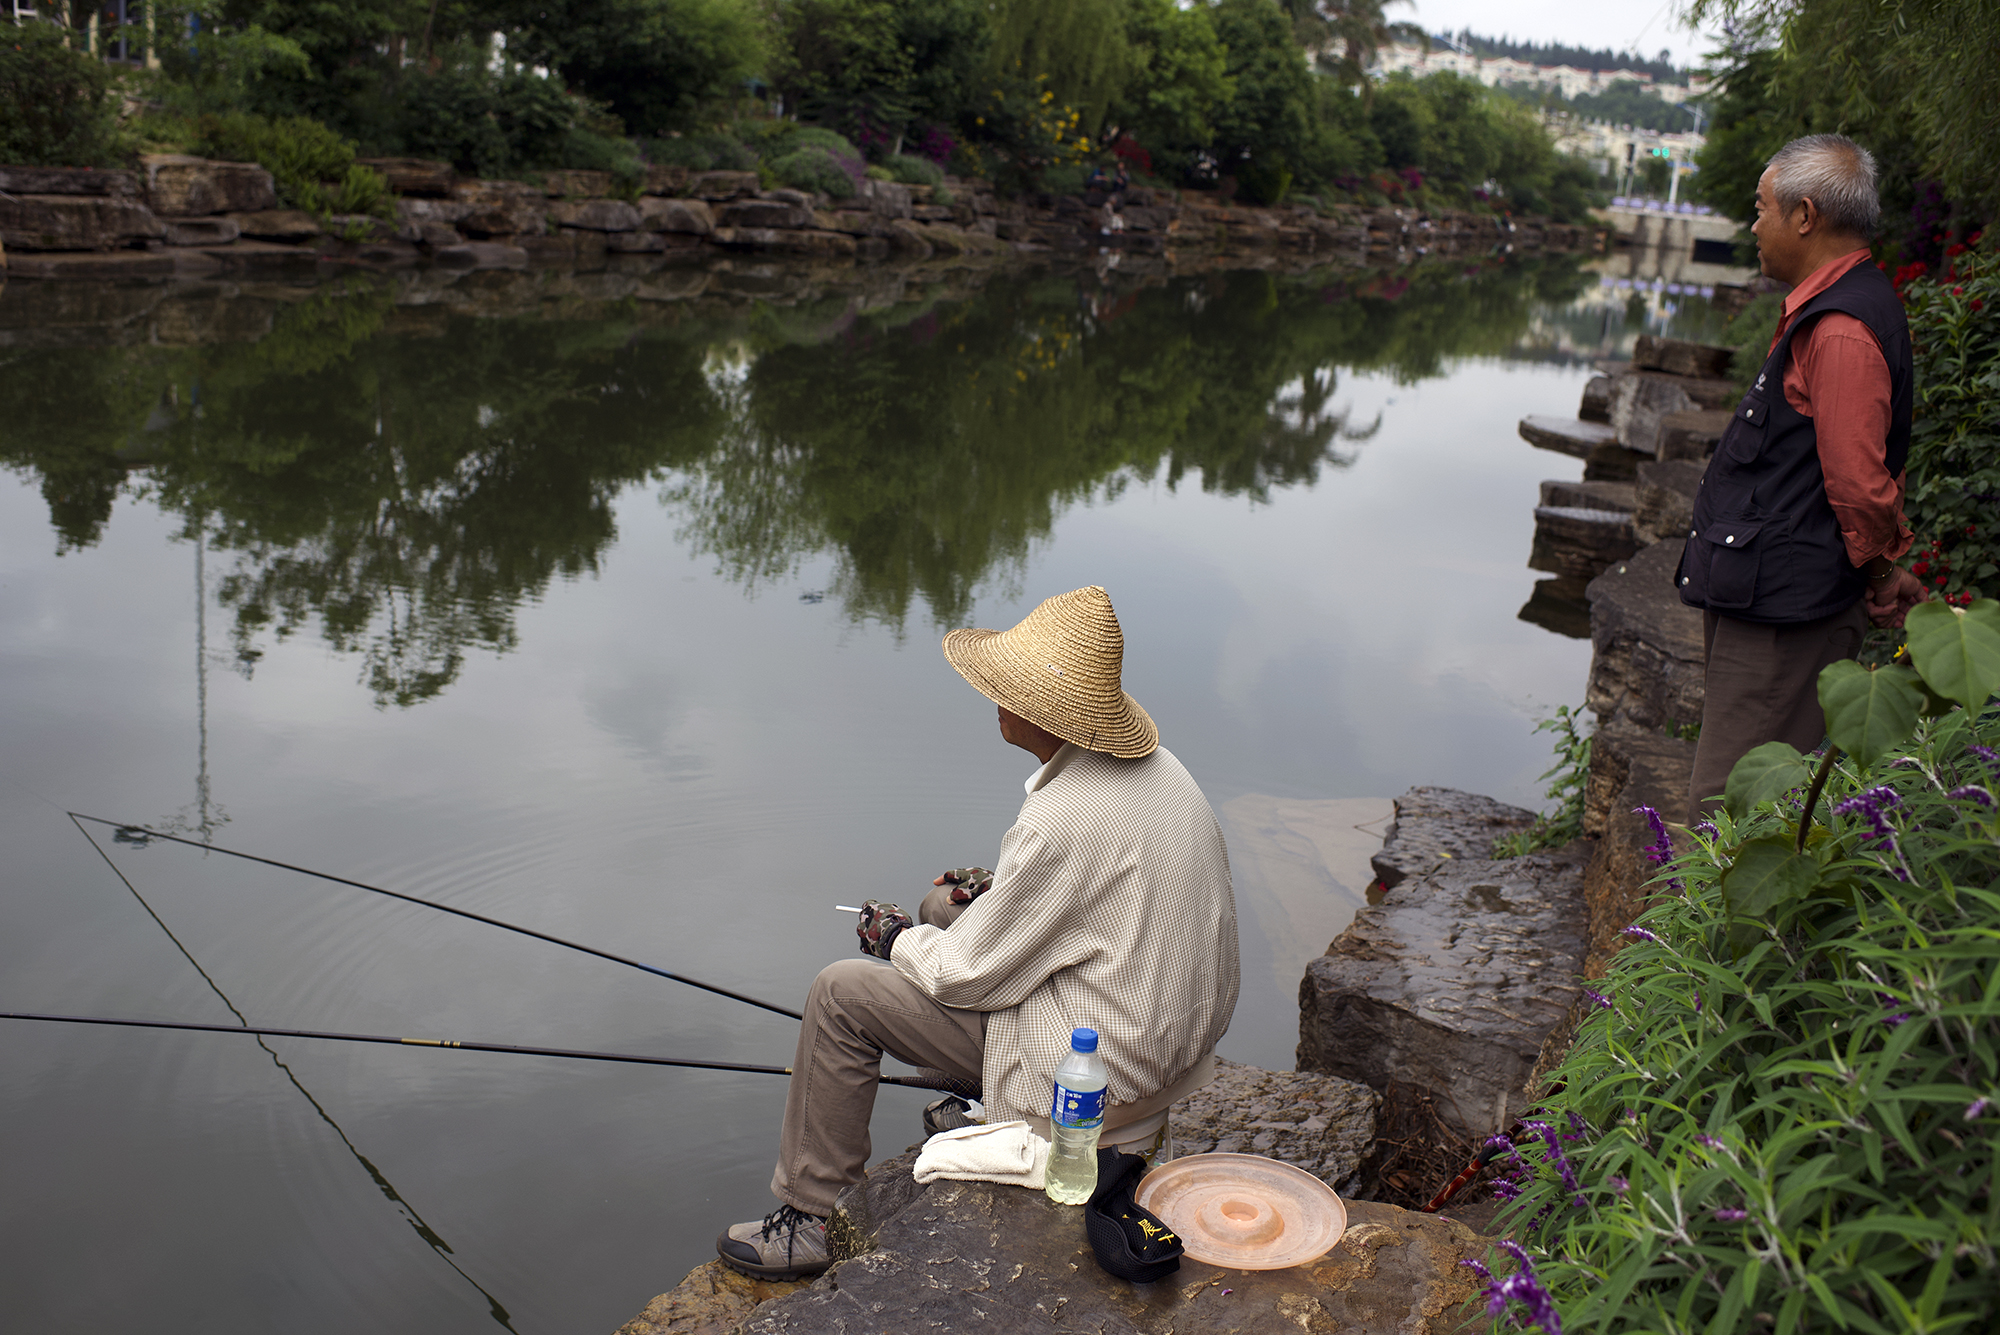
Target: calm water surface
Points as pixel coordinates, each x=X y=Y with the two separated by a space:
x=619 y=619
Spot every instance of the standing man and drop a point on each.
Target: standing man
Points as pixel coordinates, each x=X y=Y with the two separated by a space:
x=1798 y=523
x=1110 y=907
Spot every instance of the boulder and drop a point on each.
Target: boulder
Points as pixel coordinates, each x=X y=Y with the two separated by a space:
x=889 y=199
x=595 y=215
x=1447 y=992
x=501 y=208
x=662 y=179
x=1434 y=825
x=1665 y=499
x=480 y=255
x=111 y=264
x=73 y=222
x=177 y=185
x=434 y=210
x=1565 y=435
x=1321 y=1123
x=1680 y=357
x=1596 y=405
x=1589 y=495
x=431 y=233
x=966 y=1256
x=263 y=258
x=1612 y=462
x=288 y=225
x=688 y=217
x=1692 y=433
x=574 y=184
x=415 y=176
x=1580 y=543
x=713 y=1299
x=1630 y=767
x=1638 y=402
x=1647 y=658
x=714 y=186
x=68 y=181
x=199 y=231
x=764 y=213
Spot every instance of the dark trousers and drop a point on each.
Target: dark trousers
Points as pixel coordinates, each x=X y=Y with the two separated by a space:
x=1762 y=685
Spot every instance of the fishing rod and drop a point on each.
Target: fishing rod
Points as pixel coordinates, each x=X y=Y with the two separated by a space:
x=123 y=827
x=467 y=1045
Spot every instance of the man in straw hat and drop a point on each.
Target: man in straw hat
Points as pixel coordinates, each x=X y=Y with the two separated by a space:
x=1110 y=907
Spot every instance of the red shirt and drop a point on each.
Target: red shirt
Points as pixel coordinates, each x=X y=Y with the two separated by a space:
x=1838 y=377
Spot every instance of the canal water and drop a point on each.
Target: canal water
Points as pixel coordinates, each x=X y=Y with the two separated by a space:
x=614 y=613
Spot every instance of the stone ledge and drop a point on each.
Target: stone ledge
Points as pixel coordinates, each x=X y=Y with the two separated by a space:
x=1433 y=825
x=1648 y=661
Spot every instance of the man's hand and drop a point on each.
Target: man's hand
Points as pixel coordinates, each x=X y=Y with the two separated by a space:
x=879 y=926
x=967 y=883
x=1888 y=600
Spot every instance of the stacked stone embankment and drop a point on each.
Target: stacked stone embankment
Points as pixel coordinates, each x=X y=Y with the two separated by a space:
x=179 y=216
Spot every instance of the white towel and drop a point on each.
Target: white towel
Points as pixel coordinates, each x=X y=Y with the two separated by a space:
x=1005 y=1152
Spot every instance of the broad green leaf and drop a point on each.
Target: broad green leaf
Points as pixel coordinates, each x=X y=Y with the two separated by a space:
x=1957 y=653
x=1869 y=714
x=1767 y=873
x=1765 y=772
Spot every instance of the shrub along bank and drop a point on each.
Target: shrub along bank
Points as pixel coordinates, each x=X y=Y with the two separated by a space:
x=1779 y=1112
x=1026 y=93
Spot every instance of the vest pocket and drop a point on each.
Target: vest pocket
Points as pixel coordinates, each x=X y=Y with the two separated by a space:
x=1743 y=441
x=1733 y=557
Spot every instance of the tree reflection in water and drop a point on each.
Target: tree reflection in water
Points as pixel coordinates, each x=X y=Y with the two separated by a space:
x=406 y=483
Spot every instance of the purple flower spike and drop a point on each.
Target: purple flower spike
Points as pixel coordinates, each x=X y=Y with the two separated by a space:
x=1891 y=1020
x=1707 y=828
x=1598 y=999
x=1556 y=1156
x=1972 y=792
x=1662 y=849
x=1708 y=1142
x=1478 y=1268
x=1617 y=1184
x=1986 y=754
x=1641 y=934
x=1974 y=1109
x=1732 y=1216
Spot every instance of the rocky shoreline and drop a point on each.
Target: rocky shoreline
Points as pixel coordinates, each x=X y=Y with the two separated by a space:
x=189 y=218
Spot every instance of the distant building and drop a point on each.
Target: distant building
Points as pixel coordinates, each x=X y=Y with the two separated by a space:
x=1419 y=59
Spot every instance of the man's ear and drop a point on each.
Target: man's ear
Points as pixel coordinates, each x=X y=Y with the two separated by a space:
x=1810 y=221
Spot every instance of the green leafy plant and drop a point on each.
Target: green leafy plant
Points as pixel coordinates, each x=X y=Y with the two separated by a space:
x=913 y=171
x=1954 y=465
x=1780 y=1112
x=1567 y=779
x=820 y=169
x=312 y=167
x=56 y=108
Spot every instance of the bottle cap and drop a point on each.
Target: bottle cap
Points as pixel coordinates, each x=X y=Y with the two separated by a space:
x=1083 y=1040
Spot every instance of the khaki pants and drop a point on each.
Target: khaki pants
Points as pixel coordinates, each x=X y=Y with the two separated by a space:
x=858 y=1009
x=1762 y=685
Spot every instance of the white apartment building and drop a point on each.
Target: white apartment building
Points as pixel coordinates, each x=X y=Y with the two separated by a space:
x=1419 y=60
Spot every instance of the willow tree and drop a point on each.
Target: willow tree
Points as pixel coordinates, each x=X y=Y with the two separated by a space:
x=1077 y=47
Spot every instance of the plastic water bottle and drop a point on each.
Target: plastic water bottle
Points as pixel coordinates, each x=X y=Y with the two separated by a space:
x=1077 y=1115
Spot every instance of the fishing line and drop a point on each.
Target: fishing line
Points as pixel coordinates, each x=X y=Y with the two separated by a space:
x=123 y=827
x=431 y=1237
x=930 y=1080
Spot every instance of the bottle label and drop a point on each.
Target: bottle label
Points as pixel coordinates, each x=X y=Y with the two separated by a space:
x=1081 y=1109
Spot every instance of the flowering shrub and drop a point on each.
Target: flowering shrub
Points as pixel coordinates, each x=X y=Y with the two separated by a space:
x=1953 y=499
x=1778 y=1114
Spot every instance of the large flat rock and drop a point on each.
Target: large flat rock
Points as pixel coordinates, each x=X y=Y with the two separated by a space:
x=73 y=222
x=68 y=181
x=189 y=187
x=1692 y=433
x=968 y=1256
x=1678 y=356
x=1565 y=435
x=1638 y=402
x=1447 y=992
x=1434 y=825
x=1664 y=492
x=1580 y=543
x=1322 y=1123
x=1589 y=495
x=1648 y=661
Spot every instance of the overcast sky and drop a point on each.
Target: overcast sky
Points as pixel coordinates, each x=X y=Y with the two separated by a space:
x=1643 y=26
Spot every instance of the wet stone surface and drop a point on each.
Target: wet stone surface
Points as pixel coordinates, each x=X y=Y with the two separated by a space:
x=1434 y=825
x=1321 y=1123
x=1448 y=990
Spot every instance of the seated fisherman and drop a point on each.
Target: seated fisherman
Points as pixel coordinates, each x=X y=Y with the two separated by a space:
x=1110 y=907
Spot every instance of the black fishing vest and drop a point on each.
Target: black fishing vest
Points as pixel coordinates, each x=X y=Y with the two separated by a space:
x=1766 y=544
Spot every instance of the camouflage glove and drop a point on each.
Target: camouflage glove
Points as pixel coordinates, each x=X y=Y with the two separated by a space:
x=880 y=923
x=967 y=883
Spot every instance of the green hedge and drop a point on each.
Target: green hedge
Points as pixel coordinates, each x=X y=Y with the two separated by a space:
x=56 y=108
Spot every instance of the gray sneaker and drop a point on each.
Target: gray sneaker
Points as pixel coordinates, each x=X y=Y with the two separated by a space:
x=785 y=1244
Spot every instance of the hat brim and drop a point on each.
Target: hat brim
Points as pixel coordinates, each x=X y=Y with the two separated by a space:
x=1124 y=730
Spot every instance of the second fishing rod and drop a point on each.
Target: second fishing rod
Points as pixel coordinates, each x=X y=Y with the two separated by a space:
x=130 y=833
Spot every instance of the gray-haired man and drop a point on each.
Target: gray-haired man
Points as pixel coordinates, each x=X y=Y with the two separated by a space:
x=1798 y=524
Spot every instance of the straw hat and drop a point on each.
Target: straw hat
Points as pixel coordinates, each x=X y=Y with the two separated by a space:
x=1059 y=670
